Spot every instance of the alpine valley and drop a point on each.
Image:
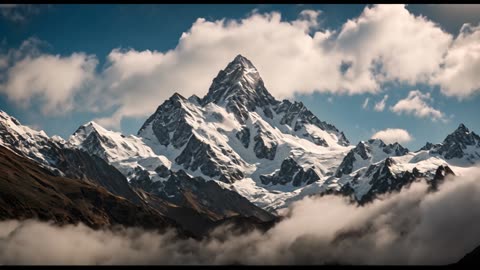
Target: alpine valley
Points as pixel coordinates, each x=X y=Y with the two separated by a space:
x=236 y=155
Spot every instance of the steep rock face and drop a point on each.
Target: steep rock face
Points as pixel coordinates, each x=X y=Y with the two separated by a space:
x=383 y=180
x=168 y=123
x=244 y=136
x=80 y=165
x=462 y=144
x=206 y=197
x=378 y=179
x=296 y=115
x=265 y=145
x=440 y=174
x=199 y=155
x=290 y=172
x=367 y=152
x=240 y=89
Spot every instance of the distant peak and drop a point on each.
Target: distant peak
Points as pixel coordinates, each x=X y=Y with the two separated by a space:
x=239 y=85
x=90 y=126
x=376 y=141
x=240 y=62
x=177 y=96
x=239 y=57
x=462 y=128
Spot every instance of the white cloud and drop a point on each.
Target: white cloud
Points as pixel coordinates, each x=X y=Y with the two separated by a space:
x=365 y=103
x=380 y=106
x=459 y=77
x=391 y=135
x=416 y=104
x=391 y=40
x=51 y=78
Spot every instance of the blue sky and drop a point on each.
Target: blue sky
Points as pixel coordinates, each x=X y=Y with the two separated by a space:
x=100 y=37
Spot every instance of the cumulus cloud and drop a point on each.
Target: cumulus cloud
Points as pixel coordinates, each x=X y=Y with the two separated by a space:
x=416 y=103
x=52 y=78
x=380 y=106
x=29 y=75
x=413 y=226
x=385 y=42
x=391 y=135
x=459 y=77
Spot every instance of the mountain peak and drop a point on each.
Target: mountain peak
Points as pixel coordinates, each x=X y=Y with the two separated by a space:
x=91 y=125
x=239 y=88
x=462 y=128
x=241 y=62
x=456 y=143
x=177 y=96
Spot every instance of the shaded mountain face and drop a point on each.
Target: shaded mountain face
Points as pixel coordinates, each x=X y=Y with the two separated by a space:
x=462 y=146
x=206 y=197
x=30 y=191
x=367 y=152
x=240 y=89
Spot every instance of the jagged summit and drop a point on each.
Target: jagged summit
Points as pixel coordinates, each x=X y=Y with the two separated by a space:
x=239 y=88
x=462 y=127
x=241 y=61
x=460 y=143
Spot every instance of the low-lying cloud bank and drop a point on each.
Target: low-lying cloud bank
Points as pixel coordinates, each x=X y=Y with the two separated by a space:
x=411 y=227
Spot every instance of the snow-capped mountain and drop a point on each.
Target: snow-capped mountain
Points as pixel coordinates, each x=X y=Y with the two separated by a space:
x=25 y=140
x=105 y=159
x=271 y=152
x=373 y=167
x=462 y=146
x=241 y=136
x=57 y=156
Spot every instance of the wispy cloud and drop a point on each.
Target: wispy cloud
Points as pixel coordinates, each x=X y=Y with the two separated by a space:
x=365 y=103
x=380 y=106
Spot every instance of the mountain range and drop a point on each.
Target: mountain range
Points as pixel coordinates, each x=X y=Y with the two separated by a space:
x=235 y=155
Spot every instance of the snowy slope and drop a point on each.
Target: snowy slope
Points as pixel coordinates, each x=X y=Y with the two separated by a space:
x=26 y=141
x=129 y=154
x=372 y=167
